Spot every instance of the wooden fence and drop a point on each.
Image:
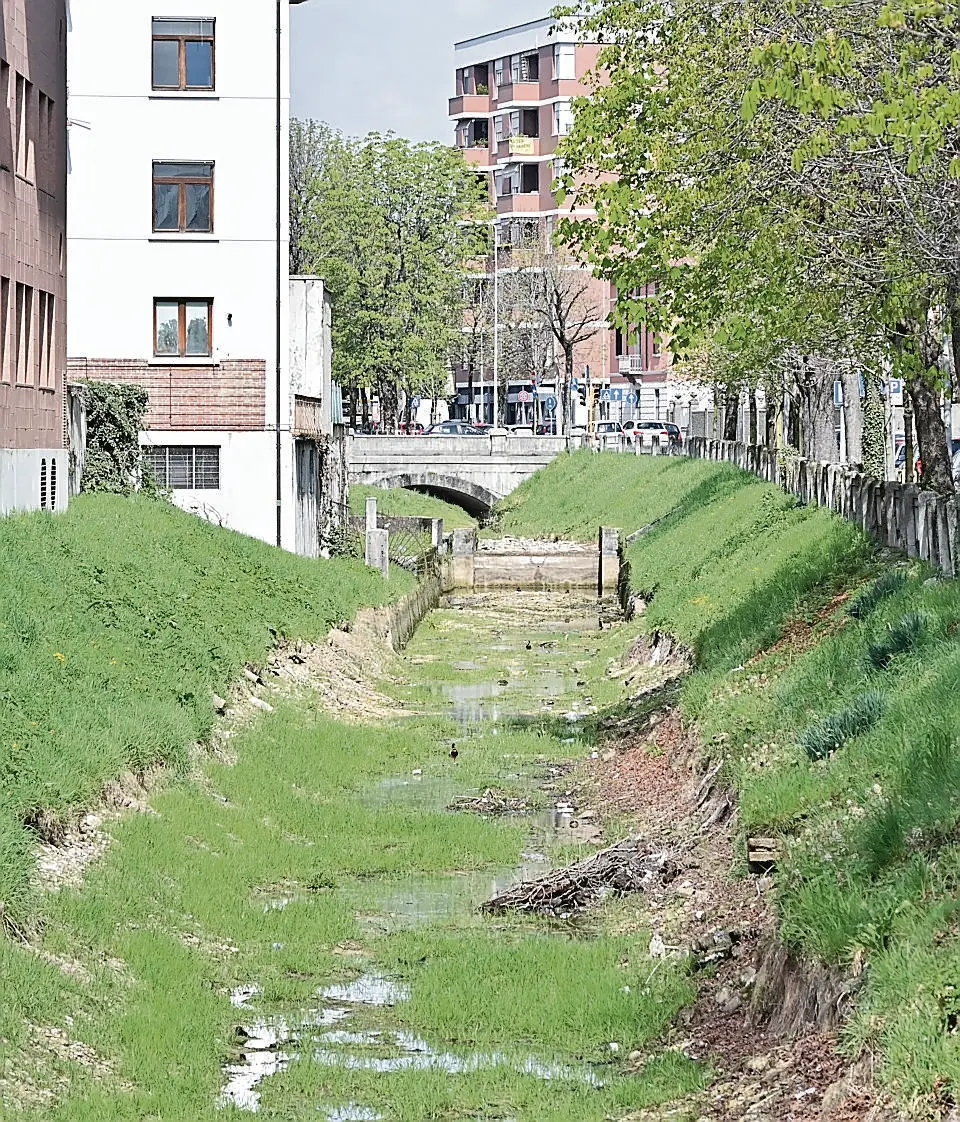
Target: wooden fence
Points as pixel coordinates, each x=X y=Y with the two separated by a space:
x=897 y=515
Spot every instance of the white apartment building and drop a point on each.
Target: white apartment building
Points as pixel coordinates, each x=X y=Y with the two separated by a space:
x=179 y=250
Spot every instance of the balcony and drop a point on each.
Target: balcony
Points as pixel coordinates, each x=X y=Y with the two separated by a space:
x=527 y=203
x=631 y=365
x=477 y=156
x=523 y=146
x=308 y=418
x=518 y=91
x=470 y=105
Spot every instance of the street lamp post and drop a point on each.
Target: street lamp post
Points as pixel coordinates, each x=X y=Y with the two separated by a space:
x=496 y=318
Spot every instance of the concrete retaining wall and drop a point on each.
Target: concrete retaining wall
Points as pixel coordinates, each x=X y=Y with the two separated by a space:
x=396 y=623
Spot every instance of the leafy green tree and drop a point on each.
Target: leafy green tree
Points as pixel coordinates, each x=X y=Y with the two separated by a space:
x=392 y=227
x=783 y=173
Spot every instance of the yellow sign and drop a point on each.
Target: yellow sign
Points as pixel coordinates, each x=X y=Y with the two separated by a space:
x=522 y=146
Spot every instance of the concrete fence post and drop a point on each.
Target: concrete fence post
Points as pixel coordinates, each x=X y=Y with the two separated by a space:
x=464 y=555
x=378 y=550
x=371 y=514
x=436 y=533
x=608 y=577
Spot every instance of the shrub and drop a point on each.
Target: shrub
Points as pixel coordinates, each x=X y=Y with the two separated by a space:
x=870 y=598
x=908 y=632
x=832 y=732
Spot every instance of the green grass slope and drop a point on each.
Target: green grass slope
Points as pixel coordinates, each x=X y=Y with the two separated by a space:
x=843 y=738
x=401 y=501
x=117 y=621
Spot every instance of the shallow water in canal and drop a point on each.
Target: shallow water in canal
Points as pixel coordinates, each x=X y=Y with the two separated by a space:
x=441 y=1012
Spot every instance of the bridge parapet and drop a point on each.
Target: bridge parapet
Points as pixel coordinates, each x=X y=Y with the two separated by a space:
x=475 y=471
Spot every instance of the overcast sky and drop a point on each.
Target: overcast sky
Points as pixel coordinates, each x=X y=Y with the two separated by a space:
x=373 y=65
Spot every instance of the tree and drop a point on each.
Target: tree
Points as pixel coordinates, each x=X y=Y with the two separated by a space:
x=555 y=310
x=392 y=227
x=769 y=168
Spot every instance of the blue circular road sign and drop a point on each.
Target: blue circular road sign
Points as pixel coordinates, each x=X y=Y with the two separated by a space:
x=550 y=404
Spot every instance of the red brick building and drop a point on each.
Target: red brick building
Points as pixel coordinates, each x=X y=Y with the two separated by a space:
x=512 y=107
x=33 y=210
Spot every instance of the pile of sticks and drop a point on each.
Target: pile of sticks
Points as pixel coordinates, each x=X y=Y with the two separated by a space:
x=628 y=866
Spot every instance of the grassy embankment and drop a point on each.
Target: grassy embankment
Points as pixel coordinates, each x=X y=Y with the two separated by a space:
x=117 y=622
x=269 y=871
x=401 y=501
x=843 y=738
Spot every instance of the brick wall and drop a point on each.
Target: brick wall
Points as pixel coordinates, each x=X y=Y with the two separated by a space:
x=33 y=216
x=230 y=396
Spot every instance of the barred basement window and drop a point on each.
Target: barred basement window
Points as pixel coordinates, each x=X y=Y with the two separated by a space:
x=184 y=467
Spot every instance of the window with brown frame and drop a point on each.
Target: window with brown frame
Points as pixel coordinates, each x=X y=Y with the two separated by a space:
x=182 y=328
x=183 y=54
x=182 y=197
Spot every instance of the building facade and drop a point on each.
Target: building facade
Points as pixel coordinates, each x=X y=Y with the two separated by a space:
x=179 y=244
x=512 y=107
x=33 y=210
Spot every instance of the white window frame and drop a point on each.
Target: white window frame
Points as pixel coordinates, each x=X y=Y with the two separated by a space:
x=562 y=118
x=514 y=69
x=498 y=129
x=565 y=62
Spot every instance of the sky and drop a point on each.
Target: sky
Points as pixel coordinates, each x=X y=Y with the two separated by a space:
x=377 y=65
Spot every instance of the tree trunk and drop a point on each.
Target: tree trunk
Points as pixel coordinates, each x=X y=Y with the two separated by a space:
x=752 y=433
x=566 y=401
x=873 y=442
x=937 y=474
x=853 y=415
x=819 y=412
x=364 y=408
x=731 y=412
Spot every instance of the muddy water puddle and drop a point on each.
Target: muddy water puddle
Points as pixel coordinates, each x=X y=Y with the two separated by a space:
x=486 y=664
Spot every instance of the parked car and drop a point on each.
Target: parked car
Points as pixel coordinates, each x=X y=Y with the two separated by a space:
x=520 y=430
x=608 y=434
x=668 y=433
x=452 y=428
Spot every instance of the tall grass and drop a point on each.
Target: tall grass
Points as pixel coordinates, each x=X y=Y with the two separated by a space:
x=118 y=620
x=871 y=832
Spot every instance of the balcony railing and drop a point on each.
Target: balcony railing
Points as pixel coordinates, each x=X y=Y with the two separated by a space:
x=308 y=416
x=631 y=364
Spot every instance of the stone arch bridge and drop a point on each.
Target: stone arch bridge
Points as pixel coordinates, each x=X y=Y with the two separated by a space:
x=472 y=471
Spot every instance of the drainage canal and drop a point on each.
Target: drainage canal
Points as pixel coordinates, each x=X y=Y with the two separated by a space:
x=486 y=672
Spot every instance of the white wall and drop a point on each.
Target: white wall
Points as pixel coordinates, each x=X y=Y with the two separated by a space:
x=117 y=265
x=246 y=499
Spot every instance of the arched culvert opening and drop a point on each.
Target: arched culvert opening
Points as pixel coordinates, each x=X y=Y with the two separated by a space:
x=477 y=501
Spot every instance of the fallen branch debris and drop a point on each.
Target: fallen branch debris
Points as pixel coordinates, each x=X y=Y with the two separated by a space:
x=628 y=866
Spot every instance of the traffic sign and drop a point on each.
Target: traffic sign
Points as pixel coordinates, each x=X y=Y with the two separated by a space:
x=414 y=402
x=524 y=396
x=550 y=404
x=611 y=395
x=575 y=384
x=631 y=398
